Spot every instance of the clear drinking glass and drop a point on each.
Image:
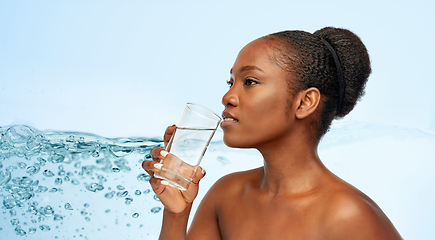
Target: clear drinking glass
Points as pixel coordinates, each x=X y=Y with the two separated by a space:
x=188 y=144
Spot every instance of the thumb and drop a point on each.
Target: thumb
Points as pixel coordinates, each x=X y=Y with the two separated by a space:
x=200 y=173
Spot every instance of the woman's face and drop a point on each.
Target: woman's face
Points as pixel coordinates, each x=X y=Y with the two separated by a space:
x=258 y=105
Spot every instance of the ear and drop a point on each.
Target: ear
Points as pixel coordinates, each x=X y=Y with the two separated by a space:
x=308 y=101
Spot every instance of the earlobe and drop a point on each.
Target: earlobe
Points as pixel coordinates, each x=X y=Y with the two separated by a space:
x=309 y=100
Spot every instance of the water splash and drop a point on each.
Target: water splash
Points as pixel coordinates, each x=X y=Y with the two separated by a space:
x=36 y=165
x=51 y=181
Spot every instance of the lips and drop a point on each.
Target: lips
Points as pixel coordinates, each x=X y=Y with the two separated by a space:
x=228 y=119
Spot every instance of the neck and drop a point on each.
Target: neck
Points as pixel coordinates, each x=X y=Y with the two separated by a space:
x=291 y=166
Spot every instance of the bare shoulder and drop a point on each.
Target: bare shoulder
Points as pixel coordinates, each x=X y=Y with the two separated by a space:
x=350 y=214
x=239 y=179
x=229 y=186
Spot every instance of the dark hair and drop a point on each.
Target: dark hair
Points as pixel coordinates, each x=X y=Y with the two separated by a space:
x=311 y=64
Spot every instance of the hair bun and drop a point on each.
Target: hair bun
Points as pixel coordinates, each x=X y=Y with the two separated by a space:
x=355 y=63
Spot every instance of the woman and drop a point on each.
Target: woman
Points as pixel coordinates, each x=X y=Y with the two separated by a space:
x=285 y=90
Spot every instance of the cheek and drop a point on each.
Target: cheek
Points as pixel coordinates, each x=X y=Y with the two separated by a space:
x=268 y=117
x=270 y=108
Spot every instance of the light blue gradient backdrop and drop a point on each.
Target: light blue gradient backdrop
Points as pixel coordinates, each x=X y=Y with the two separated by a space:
x=126 y=68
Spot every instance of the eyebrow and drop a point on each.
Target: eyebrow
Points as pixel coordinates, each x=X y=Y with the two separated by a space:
x=247 y=68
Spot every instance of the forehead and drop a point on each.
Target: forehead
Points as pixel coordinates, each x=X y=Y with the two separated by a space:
x=257 y=53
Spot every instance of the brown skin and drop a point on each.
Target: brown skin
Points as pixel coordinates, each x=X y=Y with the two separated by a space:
x=293 y=196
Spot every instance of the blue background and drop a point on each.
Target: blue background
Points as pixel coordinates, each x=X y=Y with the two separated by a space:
x=126 y=68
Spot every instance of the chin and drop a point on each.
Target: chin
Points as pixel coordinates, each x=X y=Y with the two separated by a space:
x=234 y=143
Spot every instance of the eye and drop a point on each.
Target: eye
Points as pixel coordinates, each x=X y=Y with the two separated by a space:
x=230 y=83
x=250 y=81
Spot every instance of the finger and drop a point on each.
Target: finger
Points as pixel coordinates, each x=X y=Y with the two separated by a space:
x=158 y=185
x=148 y=166
x=151 y=167
x=168 y=134
x=200 y=173
x=158 y=154
x=192 y=191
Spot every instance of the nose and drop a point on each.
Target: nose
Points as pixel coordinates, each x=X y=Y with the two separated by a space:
x=230 y=98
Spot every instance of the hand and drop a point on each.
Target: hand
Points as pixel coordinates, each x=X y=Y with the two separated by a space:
x=174 y=200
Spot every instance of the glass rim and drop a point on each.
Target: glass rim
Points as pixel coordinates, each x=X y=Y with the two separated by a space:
x=204 y=108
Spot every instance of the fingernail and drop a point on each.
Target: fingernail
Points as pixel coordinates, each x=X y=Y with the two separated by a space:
x=164 y=182
x=203 y=171
x=163 y=153
x=158 y=165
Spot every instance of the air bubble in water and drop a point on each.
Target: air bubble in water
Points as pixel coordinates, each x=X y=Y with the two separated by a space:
x=109 y=195
x=33 y=169
x=68 y=206
x=15 y=222
x=33 y=209
x=42 y=161
x=32 y=230
x=95 y=154
x=35 y=183
x=11 y=168
x=44 y=228
x=57 y=217
x=135 y=215
x=137 y=192
x=61 y=173
x=12 y=212
x=48 y=173
x=120 y=187
x=143 y=177
x=128 y=201
x=122 y=194
x=156 y=209
x=58 y=181
x=48 y=211
x=9 y=202
x=156 y=198
x=101 y=178
x=19 y=231
x=41 y=189
x=94 y=187
x=19 y=135
x=56 y=158
x=21 y=165
x=75 y=181
x=4 y=178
